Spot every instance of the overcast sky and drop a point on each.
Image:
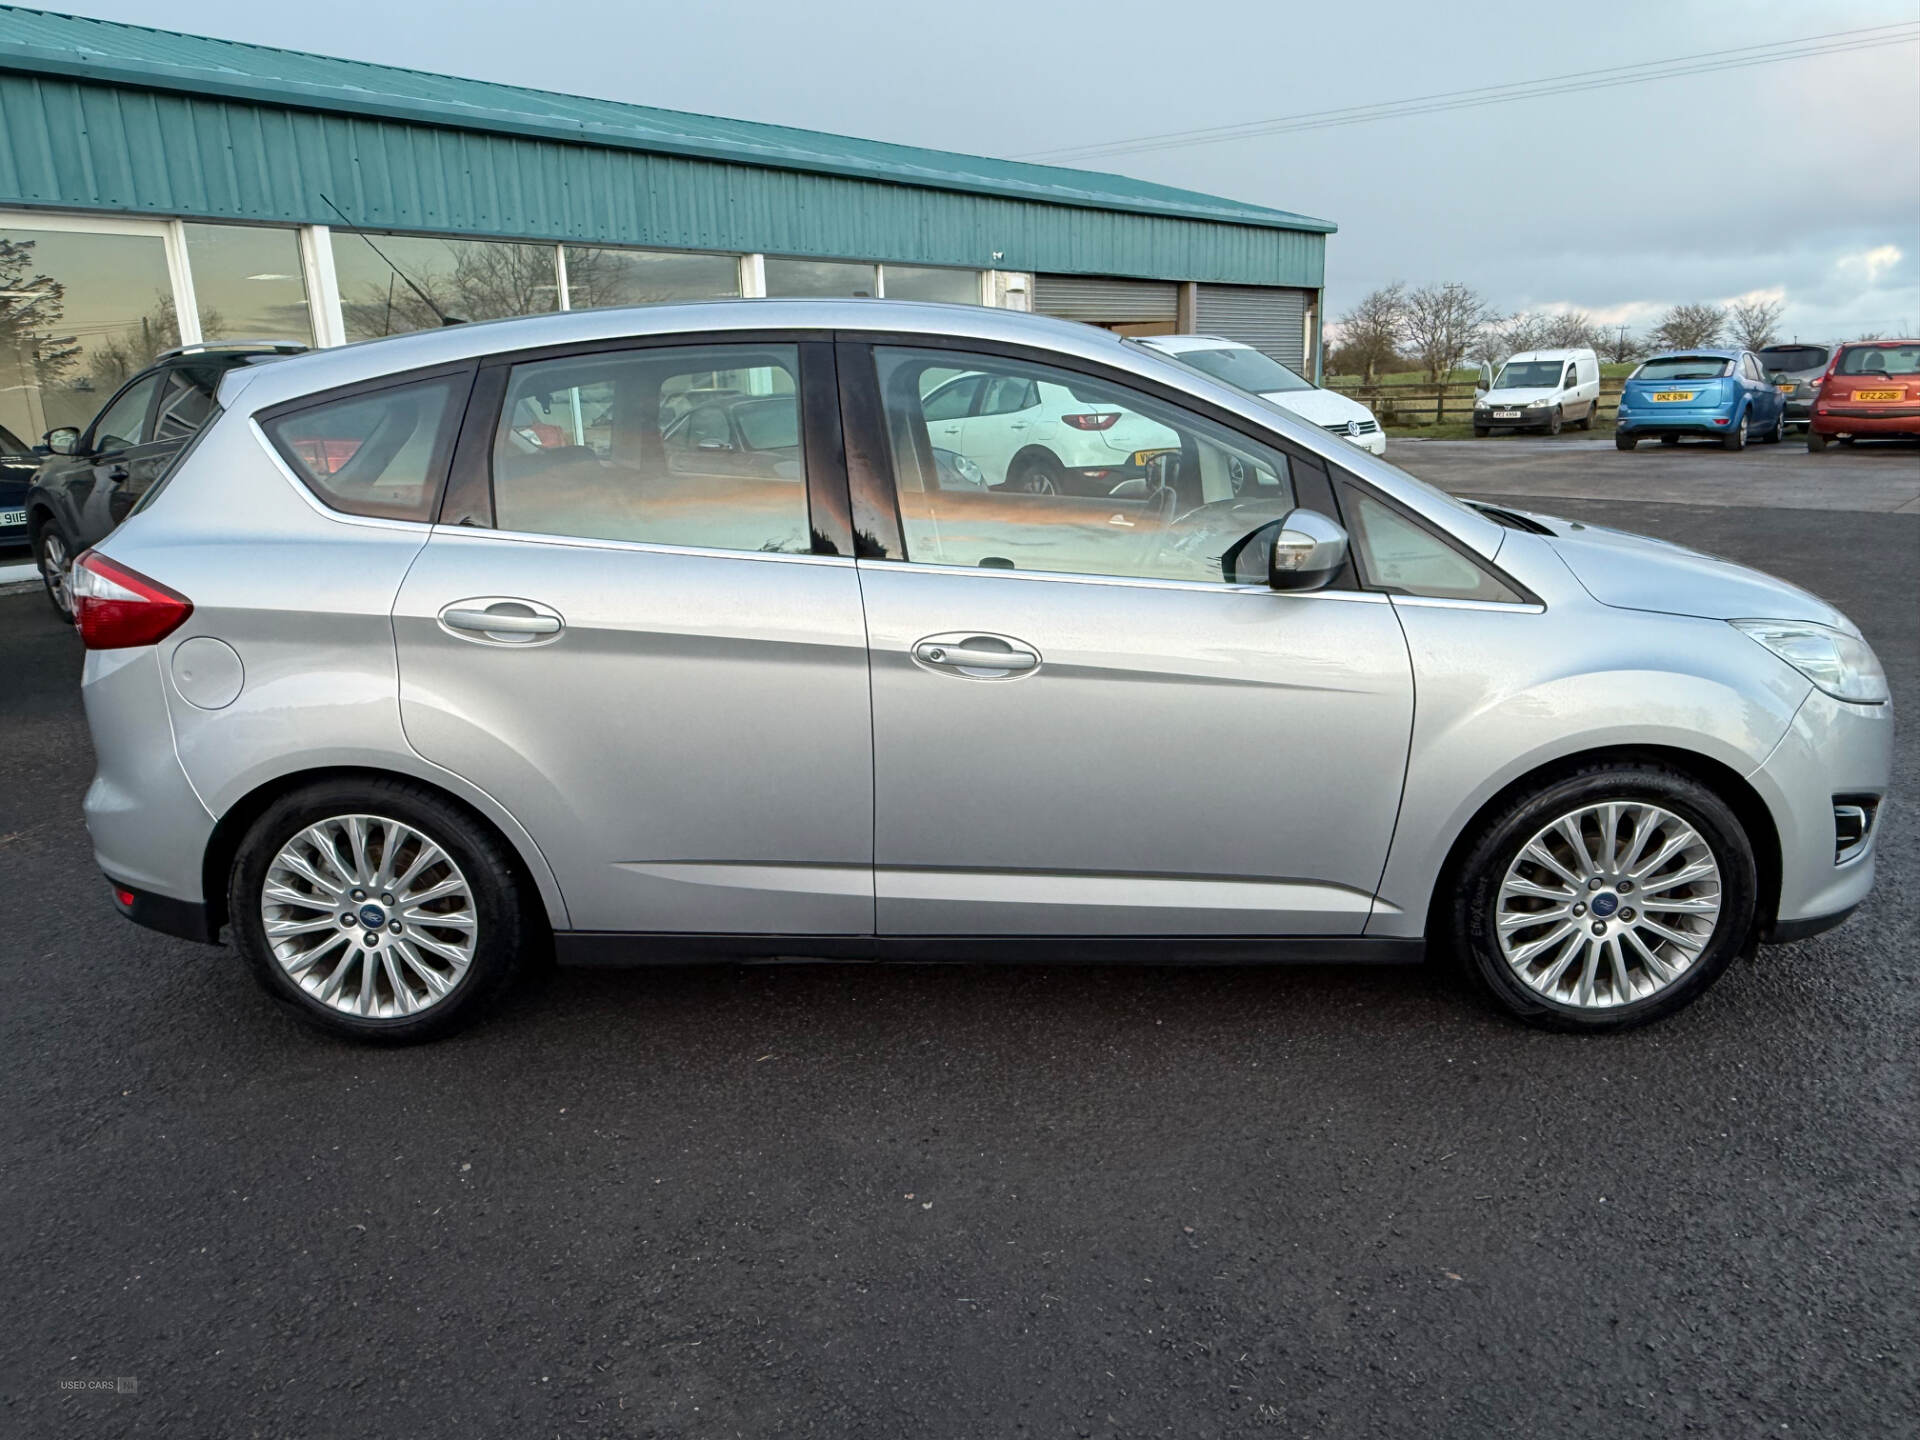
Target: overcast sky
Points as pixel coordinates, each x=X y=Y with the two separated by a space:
x=1800 y=180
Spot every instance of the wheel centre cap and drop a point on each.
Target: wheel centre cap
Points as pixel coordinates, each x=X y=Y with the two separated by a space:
x=373 y=917
x=1604 y=904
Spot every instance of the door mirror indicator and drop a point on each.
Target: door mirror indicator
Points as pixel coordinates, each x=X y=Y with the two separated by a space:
x=63 y=441
x=1307 y=553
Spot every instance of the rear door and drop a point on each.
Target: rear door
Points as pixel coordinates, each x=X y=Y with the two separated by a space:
x=654 y=657
x=1091 y=716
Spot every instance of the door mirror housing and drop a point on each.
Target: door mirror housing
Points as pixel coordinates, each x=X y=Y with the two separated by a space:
x=1307 y=553
x=1485 y=382
x=63 y=441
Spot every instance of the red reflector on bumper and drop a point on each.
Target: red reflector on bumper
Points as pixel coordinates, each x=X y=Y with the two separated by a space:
x=123 y=898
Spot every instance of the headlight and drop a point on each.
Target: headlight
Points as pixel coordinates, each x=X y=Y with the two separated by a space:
x=1843 y=665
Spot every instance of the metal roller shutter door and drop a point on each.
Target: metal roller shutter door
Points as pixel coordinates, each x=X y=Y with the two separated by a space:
x=1273 y=321
x=1104 y=301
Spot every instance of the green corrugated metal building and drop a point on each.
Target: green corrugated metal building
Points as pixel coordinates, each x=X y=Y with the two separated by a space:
x=157 y=187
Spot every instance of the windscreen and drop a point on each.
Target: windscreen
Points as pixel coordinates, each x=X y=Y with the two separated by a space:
x=1530 y=375
x=1877 y=359
x=1247 y=369
x=1685 y=367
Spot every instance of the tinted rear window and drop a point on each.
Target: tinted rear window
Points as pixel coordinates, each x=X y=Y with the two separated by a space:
x=1685 y=367
x=1794 y=357
x=1890 y=359
x=380 y=453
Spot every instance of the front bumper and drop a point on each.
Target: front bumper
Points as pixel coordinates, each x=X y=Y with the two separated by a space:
x=1831 y=750
x=1531 y=417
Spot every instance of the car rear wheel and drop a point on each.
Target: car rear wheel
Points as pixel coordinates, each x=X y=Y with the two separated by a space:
x=1624 y=442
x=379 y=910
x=1736 y=438
x=54 y=558
x=1816 y=442
x=1585 y=422
x=1607 y=899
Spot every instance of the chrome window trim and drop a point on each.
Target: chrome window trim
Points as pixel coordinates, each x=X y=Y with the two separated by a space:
x=644 y=547
x=1365 y=597
x=1443 y=602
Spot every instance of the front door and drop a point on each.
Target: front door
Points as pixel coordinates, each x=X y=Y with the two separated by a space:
x=1091 y=717
x=638 y=650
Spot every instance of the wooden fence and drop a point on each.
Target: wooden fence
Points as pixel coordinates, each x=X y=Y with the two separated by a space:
x=1418 y=402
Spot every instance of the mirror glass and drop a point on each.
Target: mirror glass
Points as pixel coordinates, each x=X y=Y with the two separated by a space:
x=63 y=441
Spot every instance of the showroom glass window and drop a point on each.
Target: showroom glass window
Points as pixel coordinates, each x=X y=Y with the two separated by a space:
x=925 y=282
x=598 y=277
x=825 y=279
x=696 y=446
x=247 y=283
x=80 y=313
x=466 y=279
x=1043 y=469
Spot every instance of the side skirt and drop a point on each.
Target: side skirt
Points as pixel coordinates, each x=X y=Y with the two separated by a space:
x=579 y=947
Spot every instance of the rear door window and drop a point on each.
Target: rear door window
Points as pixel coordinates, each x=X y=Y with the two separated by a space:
x=380 y=453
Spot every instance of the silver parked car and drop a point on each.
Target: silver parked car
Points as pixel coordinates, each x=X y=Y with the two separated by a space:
x=668 y=632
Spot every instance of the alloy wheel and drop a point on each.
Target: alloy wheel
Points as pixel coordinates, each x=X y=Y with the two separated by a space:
x=54 y=566
x=369 y=916
x=1608 y=905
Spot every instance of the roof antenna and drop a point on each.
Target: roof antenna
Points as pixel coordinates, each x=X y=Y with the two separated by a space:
x=425 y=299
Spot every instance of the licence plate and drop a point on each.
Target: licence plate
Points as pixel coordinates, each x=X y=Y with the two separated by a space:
x=1506 y=414
x=1878 y=394
x=13 y=517
x=1141 y=457
x=1784 y=389
x=1672 y=395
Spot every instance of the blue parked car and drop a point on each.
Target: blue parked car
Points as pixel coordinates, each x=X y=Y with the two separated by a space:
x=1723 y=393
x=18 y=462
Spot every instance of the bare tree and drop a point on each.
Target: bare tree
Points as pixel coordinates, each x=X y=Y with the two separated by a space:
x=1514 y=334
x=1686 y=326
x=1370 y=332
x=1573 y=330
x=1442 y=323
x=1620 y=345
x=1756 y=323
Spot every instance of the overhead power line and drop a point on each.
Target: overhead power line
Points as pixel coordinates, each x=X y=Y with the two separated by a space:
x=1741 y=57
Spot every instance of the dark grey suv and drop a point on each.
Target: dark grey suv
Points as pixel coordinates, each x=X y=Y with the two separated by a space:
x=91 y=479
x=1801 y=364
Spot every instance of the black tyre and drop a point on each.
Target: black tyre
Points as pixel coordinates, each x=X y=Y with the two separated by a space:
x=1585 y=422
x=1779 y=431
x=1480 y=432
x=1736 y=438
x=1553 y=423
x=53 y=556
x=1624 y=442
x=1036 y=472
x=1669 y=439
x=1816 y=442
x=1632 y=925
x=379 y=909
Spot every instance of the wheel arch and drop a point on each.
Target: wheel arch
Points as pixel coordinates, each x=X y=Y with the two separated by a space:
x=224 y=843
x=1745 y=802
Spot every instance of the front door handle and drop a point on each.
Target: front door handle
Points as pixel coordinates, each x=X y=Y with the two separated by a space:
x=980 y=657
x=502 y=619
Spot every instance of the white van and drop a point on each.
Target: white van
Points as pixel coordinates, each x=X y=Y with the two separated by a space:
x=1250 y=369
x=1539 y=390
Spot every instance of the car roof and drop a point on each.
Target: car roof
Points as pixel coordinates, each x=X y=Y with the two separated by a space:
x=1883 y=340
x=1572 y=353
x=1718 y=352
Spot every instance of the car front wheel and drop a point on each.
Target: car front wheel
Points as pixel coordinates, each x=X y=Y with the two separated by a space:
x=377 y=909
x=1606 y=900
x=54 y=558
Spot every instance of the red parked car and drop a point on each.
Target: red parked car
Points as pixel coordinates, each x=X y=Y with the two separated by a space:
x=1871 y=388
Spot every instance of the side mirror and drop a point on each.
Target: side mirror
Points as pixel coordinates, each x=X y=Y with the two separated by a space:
x=1779 y=377
x=1307 y=553
x=63 y=441
x=1485 y=382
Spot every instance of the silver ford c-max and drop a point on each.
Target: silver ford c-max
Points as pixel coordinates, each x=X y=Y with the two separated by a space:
x=864 y=630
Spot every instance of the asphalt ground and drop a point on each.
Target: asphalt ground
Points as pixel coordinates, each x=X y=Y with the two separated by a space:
x=850 y=1202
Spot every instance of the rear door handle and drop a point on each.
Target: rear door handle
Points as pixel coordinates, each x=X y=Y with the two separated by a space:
x=501 y=619
x=978 y=657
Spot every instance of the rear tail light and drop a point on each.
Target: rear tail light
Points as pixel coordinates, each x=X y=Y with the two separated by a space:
x=116 y=608
x=1102 y=421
